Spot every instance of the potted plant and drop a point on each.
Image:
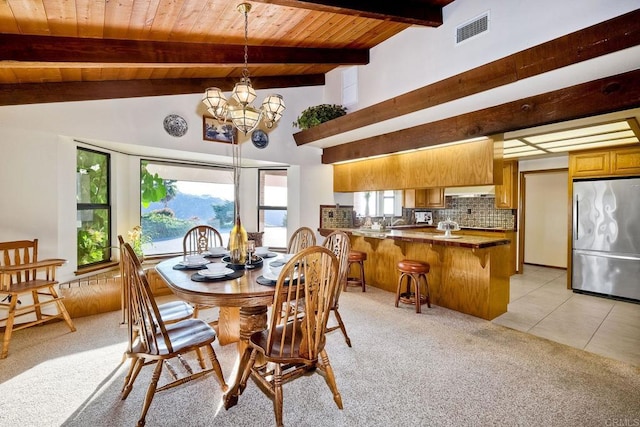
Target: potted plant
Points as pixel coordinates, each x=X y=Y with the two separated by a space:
x=313 y=116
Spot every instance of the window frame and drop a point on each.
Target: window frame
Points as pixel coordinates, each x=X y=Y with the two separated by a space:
x=262 y=207
x=108 y=255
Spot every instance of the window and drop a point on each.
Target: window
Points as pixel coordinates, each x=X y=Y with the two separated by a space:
x=272 y=207
x=176 y=197
x=93 y=207
x=378 y=203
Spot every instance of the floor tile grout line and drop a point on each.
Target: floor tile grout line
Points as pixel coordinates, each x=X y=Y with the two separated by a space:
x=600 y=325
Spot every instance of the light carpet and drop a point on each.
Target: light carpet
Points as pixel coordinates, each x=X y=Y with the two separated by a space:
x=438 y=368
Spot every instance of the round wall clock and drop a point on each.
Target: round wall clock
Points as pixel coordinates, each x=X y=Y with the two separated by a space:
x=175 y=125
x=259 y=138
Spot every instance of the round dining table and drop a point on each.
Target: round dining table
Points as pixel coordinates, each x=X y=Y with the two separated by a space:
x=227 y=293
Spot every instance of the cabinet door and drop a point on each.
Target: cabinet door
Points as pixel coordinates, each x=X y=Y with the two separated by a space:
x=409 y=201
x=507 y=193
x=625 y=161
x=590 y=164
x=421 y=198
x=434 y=198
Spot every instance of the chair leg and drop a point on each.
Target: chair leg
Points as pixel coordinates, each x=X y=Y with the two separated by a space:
x=151 y=391
x=341 y=324
x=362 y=276
x=62 y=309
x=277 y=392
x=136 y=365
x=13 y=298
x=426 y=287
x=216 y=367
x=330 y=378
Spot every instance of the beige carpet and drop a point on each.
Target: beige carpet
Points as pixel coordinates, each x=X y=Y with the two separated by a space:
x=439 y=368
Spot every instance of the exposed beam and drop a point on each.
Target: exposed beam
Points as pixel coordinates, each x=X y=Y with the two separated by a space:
x=38 y=93
x=413 y=12
x=80 y=51
x=610 y=36
x=601 y=96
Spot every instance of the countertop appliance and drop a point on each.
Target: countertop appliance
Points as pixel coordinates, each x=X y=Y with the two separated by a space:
x=606 y=237
x=424 y=217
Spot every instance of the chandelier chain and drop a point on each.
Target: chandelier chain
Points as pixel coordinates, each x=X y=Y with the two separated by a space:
x=245 y=71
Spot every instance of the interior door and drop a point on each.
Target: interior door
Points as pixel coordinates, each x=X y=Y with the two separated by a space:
x=545 y=213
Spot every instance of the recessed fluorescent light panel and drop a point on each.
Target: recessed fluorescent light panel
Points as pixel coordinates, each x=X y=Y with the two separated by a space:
x=583 y=138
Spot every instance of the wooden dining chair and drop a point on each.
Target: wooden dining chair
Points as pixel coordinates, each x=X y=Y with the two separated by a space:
x=21 y=274
x=196 y=241
x=293 y=345
x=338 y=242
x=171 y=312
x=199 y=239
x=155 y=342
x=302 y=238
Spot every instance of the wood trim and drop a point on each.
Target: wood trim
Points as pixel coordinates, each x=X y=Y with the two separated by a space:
x=601 y=96
x=38 y=93
x=414 y=12
x=76 y=52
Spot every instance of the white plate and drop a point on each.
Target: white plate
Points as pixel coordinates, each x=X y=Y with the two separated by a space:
x=194 y=263
x=270 y=276
x=217 y=273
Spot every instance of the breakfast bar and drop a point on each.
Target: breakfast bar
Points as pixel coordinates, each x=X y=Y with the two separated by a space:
x=469 y=274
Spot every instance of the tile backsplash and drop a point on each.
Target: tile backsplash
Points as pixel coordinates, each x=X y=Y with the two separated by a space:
x=332 y=216
x=472 y=212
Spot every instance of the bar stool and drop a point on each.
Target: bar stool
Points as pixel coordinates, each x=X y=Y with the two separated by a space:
x=413 y=271
x=356 y=257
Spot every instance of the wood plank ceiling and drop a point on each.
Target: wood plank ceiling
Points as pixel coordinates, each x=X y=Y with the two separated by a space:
x=56 y=51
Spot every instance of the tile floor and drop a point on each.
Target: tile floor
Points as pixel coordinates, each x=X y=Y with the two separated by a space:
x=542 y=305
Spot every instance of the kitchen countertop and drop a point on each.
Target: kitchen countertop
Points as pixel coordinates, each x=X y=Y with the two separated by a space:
x=412 y=226
x=474 y=242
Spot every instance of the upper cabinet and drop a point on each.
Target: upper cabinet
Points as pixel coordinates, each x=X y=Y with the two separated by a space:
x=599 y=163
x=507 y=193
x=424 y=198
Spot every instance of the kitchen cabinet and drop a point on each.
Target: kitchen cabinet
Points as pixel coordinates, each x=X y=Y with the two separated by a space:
x=424 y=198
x=507 y=193
x=601 y=163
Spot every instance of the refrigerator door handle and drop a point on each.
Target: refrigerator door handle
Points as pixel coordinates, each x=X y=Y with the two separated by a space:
x=575 y=219
x=608 y=255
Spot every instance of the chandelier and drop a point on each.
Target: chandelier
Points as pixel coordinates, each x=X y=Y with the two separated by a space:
x=239 y=110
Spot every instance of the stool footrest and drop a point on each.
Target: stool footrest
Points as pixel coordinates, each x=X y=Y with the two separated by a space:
x=410 y=298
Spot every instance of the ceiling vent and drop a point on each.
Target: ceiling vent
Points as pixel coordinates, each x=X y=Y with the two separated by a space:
x=472 y=28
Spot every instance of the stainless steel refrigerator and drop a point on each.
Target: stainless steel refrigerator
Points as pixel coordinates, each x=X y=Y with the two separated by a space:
x=606 y=237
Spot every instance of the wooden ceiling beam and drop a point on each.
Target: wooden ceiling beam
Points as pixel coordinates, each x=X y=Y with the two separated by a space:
x=415 y=12
x=29 y=48
x=39 y=93
x=614 y=93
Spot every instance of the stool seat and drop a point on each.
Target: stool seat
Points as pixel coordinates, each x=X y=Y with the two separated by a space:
x=412 y=266
x=414 y=273
x=358 y=258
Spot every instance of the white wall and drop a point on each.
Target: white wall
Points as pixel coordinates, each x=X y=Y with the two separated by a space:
x=419 y=56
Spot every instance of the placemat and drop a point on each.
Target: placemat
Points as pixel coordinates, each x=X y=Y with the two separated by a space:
x=198 y=278
x=189 y=267
x=269 y=255
x=268 y=282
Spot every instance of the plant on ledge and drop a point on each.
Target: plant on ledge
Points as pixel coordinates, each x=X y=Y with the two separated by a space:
x=313 y=116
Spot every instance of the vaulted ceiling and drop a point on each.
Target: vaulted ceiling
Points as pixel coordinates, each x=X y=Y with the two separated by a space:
x=54 y=51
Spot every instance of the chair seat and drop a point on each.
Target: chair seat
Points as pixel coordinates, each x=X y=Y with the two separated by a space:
x=413 y=266
x=175 y=310
x=288 y=353
x=183 y=335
